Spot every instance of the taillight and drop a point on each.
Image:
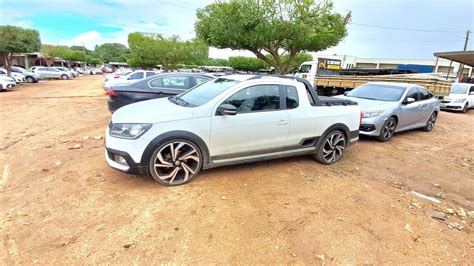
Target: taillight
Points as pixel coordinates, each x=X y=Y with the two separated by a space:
x=360 y=121
x=111 y=92
x=117 y=76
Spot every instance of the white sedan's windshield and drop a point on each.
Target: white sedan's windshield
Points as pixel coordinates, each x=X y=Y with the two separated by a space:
x=205 y=92
x=380 y=92
x=458 y=89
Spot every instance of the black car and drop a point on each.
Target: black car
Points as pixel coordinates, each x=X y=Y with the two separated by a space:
x=159 y=86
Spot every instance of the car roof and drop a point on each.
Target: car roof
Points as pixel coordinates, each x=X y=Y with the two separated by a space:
x=396 y=84
x=462 y=84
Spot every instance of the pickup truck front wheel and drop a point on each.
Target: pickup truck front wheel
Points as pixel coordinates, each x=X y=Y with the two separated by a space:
x=331 y=148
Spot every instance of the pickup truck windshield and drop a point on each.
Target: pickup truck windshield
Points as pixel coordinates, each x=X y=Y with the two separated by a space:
x=378 y=92
x=458 y=89
x=205 y=92
x=305 y=68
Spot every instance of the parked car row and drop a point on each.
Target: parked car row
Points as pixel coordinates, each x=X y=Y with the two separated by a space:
x=243 y=118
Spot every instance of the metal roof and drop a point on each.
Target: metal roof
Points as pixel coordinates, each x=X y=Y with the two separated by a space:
x=463 y=57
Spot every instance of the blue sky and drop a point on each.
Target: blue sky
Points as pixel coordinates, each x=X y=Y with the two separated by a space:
x=88 y=22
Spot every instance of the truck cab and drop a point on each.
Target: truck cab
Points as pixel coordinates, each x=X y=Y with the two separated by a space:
x=320 y=67
x=461 y=97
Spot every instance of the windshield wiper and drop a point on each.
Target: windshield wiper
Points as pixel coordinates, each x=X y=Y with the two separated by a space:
x=365 y=98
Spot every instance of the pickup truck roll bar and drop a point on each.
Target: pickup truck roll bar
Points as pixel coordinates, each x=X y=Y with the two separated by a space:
x=317 y=101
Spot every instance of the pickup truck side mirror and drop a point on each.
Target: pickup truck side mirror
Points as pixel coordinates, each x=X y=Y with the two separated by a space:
x=226 y=109
x=409 y=100
x=471 y=93
x=345 y=93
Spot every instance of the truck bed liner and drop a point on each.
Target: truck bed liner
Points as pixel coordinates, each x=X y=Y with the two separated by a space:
x=330 y=101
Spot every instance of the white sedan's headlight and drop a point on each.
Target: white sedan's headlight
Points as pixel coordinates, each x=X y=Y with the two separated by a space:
x=459 y=100
x=128 y=131
x=367 y=114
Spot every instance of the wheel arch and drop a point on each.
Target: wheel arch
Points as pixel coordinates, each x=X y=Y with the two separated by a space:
x=338 y=126
x=176 y=134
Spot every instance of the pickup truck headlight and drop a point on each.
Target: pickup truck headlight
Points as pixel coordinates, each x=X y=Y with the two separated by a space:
x=459 y=100
x=367 y=114
x=128 y=131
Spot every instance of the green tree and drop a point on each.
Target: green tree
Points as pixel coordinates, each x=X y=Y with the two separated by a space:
x=52 y=51
x=299 y=59
x=243 y=63
x=81 y=48
x=111 y=52
x=271 y=29
x=149 y=50
x=213 y=62
x=17 y=40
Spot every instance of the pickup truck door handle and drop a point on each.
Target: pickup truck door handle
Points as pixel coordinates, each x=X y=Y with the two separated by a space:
x=282 y=122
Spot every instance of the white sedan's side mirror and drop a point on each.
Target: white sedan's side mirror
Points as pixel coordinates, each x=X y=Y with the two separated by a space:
x=409 y=100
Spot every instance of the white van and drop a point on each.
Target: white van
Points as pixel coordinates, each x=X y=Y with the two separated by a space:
x=461 y=97
x=320 y=67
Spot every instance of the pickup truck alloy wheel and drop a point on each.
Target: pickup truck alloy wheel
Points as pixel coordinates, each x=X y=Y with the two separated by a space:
x=331 y=148
x=175 y=162
x=388 y=129
x=30 y=79
x=64 y=76
x=465 y=108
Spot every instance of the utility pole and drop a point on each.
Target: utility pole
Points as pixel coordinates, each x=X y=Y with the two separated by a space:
x=461 y=66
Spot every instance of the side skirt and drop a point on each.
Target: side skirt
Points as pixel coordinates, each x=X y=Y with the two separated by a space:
x=260 y=157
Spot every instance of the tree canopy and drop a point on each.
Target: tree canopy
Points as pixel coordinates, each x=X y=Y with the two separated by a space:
x=272 y=29
x=149 y=50
x=111 y=52
x=17 y=40
x=243 y=63
x=68 y=54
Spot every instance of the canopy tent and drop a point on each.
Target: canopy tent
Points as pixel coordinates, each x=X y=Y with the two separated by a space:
x=463 y=57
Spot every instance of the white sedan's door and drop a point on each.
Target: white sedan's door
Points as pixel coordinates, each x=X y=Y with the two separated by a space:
x=260 y=125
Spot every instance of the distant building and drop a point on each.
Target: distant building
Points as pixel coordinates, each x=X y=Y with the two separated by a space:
x=418 y=65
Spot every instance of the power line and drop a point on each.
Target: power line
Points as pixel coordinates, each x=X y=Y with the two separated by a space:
x=404 y=29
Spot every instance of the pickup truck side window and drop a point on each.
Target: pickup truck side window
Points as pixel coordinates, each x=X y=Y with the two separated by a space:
x=256 y=98
x=291 y=97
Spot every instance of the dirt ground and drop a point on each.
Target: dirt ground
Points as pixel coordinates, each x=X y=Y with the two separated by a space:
x=64 y=205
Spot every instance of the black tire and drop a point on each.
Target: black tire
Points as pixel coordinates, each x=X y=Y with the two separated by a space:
x=388 y=129
x=175 y=162
x=464 y=110
x=30 y=79
x=431 y=122
x=331 y=148
x=64 y=77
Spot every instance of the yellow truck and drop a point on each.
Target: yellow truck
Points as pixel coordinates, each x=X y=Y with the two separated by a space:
x=334 y=85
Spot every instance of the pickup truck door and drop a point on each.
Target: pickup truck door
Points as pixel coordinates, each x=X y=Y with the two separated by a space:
x=260 y=125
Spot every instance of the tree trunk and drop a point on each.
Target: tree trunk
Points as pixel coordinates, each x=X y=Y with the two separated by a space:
x=8 y=63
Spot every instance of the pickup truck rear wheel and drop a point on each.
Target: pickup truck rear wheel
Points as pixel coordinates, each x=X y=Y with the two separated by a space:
x=64 y=77
x=175 y=162
x=331 y=148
